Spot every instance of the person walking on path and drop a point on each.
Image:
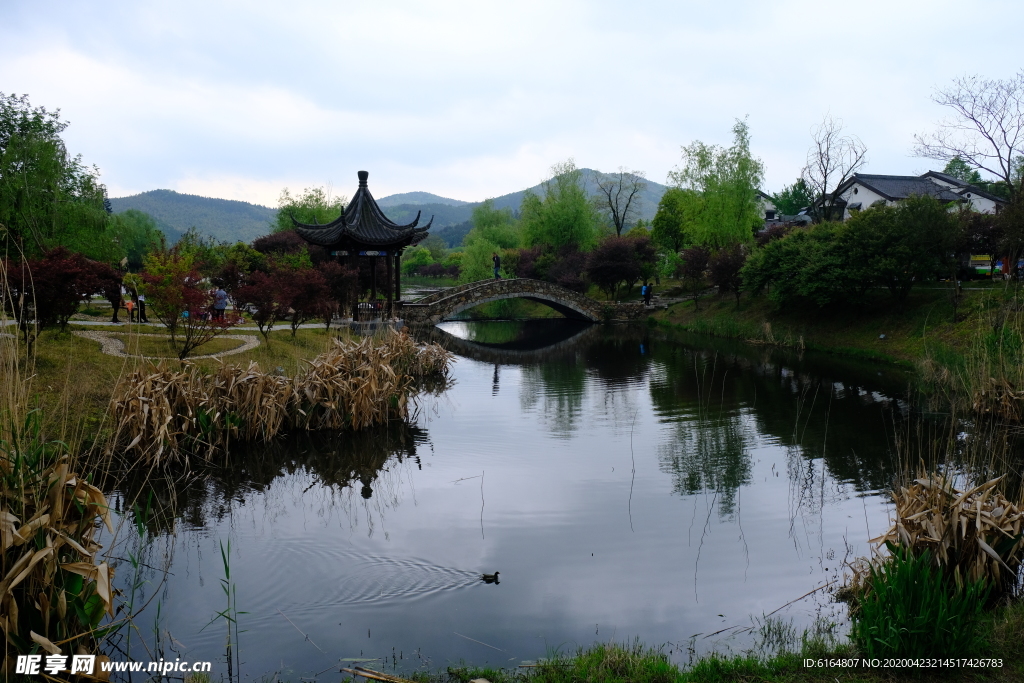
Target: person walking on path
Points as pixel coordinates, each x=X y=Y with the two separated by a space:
x=220 y=302
x=497 y=265
x=130 y=305
x=648 y=293
x=142 y=309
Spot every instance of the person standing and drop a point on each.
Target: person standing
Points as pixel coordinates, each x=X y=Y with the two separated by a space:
x=142 y=308
x=497 y=265
x=130 y=305
x=220 y=302
x=648 y=294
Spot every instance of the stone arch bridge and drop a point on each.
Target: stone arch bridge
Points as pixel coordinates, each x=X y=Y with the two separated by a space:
x=445 y=303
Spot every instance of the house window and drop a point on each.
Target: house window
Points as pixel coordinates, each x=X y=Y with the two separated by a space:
x=769 y=215
x=855 y=190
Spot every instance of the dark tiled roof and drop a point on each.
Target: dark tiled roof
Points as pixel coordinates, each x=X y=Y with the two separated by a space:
x=362 y=223
x=895 y=187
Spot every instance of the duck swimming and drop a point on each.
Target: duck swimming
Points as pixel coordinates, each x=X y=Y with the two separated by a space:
x=490 y=578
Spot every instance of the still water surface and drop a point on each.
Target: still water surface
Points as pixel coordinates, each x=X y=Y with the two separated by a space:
x=623 y=483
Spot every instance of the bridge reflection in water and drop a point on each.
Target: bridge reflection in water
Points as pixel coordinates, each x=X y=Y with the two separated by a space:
x=511 y=341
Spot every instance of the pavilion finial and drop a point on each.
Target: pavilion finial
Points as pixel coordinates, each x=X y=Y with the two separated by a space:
x=363 y=175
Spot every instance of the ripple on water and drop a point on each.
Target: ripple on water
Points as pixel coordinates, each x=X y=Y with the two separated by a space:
x=293 y=579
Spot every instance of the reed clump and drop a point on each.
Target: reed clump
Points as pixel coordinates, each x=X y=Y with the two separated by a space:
x=971 y=536
x=164 y=415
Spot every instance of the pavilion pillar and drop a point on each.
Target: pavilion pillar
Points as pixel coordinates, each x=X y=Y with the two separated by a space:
x=398 y=276
x=373 y=278
x=390 y=285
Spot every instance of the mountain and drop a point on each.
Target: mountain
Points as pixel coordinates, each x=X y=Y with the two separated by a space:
x=417 y=198
x=451 y=222
x=234 y=221
x=224 y=219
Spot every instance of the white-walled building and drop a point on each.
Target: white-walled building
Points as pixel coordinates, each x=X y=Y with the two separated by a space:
x=864 y=190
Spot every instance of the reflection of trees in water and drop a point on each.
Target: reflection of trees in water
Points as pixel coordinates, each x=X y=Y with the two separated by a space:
x=724 y=403
x=709 y=453
x=348 y=470
x=607 y=367
x=555 y=391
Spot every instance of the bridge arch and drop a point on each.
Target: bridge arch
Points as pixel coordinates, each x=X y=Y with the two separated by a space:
x=436 y=307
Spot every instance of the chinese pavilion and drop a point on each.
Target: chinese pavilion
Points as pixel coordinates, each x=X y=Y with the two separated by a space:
x=363 y=231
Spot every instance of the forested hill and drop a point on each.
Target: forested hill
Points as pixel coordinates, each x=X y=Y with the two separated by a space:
x=233 y=221
x=223 y=219
x=451 y=221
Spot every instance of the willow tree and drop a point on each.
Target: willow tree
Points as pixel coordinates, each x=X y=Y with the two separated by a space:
x=565 y=217
x=727 y=181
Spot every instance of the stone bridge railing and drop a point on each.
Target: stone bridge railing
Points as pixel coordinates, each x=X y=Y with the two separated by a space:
x=437 y=306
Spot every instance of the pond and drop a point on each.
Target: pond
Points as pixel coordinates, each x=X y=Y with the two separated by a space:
x=623 y=483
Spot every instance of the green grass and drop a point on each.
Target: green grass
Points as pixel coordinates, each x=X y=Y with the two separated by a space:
x=1001 y=636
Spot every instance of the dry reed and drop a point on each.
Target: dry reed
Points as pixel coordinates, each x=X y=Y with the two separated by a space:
x=164 y=415
x=972 y=535
x=52 y=592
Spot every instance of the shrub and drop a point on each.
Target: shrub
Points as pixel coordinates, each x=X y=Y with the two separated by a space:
x=909 y=610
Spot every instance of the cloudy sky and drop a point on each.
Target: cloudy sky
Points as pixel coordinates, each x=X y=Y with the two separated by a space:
x=476 y=99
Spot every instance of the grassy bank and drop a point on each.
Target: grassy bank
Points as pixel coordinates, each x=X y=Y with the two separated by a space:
x=74 y=378
x=1002 y=632
x=921 y=329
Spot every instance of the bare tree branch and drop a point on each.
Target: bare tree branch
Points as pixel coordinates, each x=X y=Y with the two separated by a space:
x=986 y=129
x=832 y=159
x=621 y=195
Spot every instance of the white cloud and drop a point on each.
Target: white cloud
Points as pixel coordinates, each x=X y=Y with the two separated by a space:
x=472 y=100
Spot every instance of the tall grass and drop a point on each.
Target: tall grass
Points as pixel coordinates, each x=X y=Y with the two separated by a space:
x=987 y=375
x=910 y=610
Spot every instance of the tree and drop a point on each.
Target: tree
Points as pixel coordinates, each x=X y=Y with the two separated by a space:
x=961 y=170
x=497 y=226
x=986 y=131
x=695 y=264
x=135 y=234
x=620 y=195
x=725 y=270
x=173 y=289
x=611 y=263
x=565 y=217
x=306 y=293
x=832 y=159
x=904 y=244
x=342 y=287
x=793 y=198
x=314 y=205
x=46 y=292
x=48 y=198
x=676 y=212
x=727 y=181
x=264 y=295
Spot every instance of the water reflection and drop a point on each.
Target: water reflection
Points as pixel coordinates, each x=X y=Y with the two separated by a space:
x=623 y=467
x=346 y=467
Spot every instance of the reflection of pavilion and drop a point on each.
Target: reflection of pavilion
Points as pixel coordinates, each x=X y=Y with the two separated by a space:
x=363 y=231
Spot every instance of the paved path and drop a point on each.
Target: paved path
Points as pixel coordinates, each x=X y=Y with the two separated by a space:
x=112 y=346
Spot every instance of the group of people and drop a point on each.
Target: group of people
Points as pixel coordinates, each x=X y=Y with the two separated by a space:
x=646 y=292
x=137 y=302
x=132 y=303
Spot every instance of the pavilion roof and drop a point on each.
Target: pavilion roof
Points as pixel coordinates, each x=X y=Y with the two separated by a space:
x=362 y=223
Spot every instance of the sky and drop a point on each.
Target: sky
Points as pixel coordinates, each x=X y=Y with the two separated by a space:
x=477 y=99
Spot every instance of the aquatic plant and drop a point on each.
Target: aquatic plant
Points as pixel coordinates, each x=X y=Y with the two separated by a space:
x=912 y=611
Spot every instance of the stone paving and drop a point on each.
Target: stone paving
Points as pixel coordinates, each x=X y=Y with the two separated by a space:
x=112 y=346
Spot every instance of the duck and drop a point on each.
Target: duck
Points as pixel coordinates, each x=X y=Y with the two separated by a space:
x=490 y=578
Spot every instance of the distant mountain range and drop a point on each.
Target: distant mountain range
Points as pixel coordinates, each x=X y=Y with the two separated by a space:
x=224 y=219
x=231 y=221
